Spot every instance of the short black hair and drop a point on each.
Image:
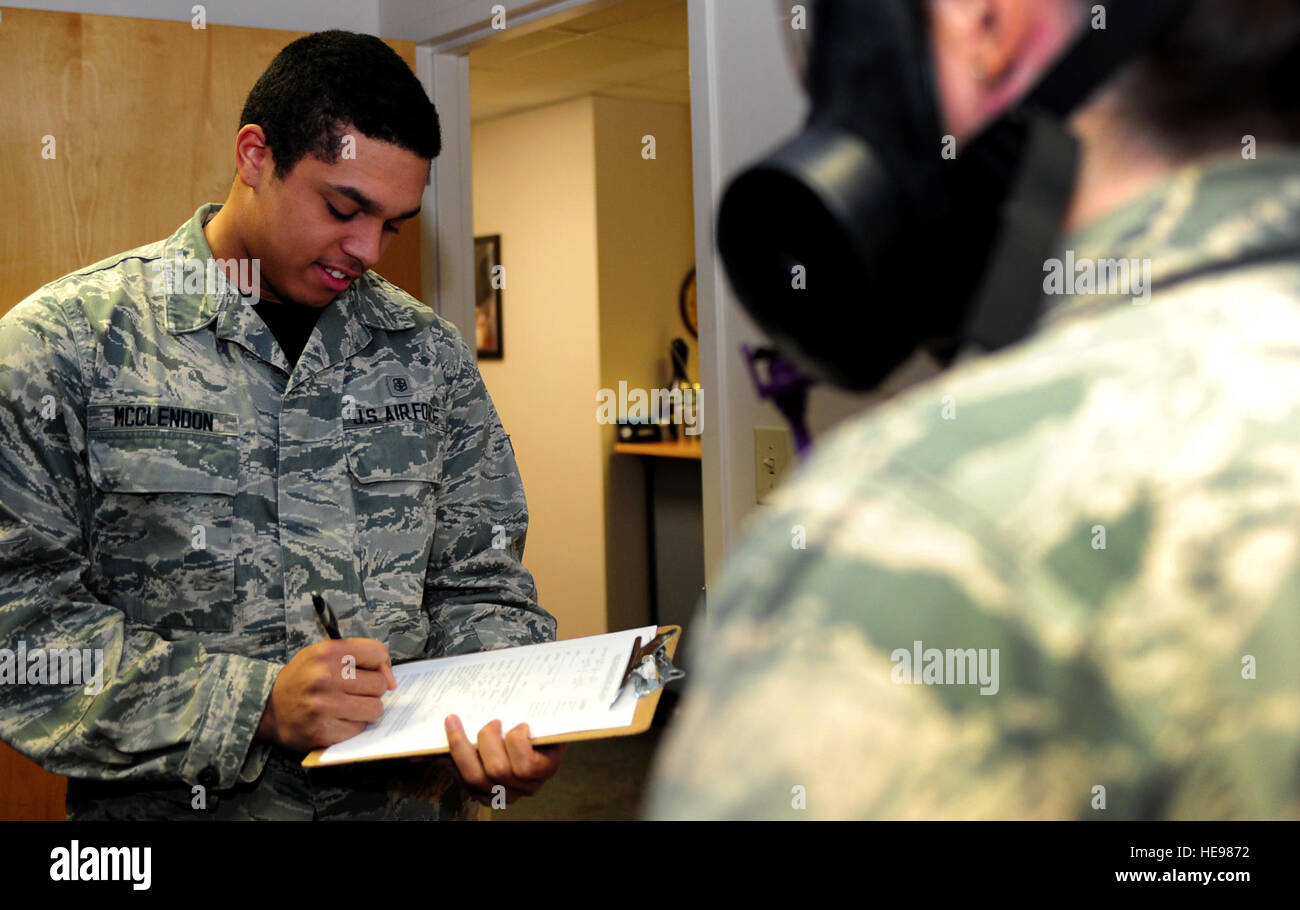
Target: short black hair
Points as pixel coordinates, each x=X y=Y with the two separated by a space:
x=324 y=83
x=1229 y=68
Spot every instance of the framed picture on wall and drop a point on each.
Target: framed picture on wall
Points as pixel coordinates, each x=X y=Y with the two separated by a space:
x=488 y=282
x=686 y=303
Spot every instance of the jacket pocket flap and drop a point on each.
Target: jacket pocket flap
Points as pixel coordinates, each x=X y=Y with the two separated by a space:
x=395 y=453
x=153 y=461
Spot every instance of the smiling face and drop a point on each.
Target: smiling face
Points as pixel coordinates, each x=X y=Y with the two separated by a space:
x=338 y=216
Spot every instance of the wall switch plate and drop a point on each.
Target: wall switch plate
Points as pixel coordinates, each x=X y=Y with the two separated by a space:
x=771 y=459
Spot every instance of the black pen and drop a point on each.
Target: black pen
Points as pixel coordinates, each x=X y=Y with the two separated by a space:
x=326 y=616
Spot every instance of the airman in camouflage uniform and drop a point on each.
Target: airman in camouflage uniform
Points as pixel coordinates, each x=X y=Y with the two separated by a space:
x=173 y=492
x=1113 y=505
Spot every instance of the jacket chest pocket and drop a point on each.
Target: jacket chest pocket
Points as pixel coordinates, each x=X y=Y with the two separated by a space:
x=162 y=525
x=395 y=473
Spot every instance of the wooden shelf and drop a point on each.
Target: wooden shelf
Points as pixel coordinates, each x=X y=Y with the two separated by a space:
x=689 y=447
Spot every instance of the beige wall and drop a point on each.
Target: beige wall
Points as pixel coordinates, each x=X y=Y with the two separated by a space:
x=646 y=237
x=534 y=184
x=595 y=241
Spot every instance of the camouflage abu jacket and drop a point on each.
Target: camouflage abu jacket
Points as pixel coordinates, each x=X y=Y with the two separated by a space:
x=1058 y=582
x=172 y=493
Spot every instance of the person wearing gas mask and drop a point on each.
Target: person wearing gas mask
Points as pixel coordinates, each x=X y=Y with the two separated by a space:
x=1058 y=580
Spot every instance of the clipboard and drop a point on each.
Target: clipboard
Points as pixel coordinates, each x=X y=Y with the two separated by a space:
x=641 y=719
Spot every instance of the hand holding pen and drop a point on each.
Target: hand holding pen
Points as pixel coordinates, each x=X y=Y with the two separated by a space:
x=328 y=691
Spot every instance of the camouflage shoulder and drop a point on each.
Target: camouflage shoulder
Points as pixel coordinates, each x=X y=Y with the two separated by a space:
x=146 y=252
x=1107 y=427
x=1110 y=506
x=60 y=299
x=98 y=272
x=1123 y=384
x=442 y=331
x=42 y=316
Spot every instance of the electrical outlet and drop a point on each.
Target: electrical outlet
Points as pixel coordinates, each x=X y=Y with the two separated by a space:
x=771 y=458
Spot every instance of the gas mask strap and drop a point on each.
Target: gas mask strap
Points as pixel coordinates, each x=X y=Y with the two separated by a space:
x=1007 y=306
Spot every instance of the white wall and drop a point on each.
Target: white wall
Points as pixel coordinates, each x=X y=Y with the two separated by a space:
x=744 y=99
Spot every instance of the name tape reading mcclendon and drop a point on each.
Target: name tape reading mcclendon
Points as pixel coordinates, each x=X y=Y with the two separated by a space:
x=159 y=416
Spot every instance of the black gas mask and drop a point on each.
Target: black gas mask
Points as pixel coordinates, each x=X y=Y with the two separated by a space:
x=860 y=241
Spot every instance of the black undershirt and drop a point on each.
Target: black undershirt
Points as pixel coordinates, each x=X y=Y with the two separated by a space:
x=290 y=323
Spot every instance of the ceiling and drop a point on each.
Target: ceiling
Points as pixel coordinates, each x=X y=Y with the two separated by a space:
x=634 y=49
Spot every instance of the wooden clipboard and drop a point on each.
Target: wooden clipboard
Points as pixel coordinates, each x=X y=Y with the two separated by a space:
x=641 y=720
